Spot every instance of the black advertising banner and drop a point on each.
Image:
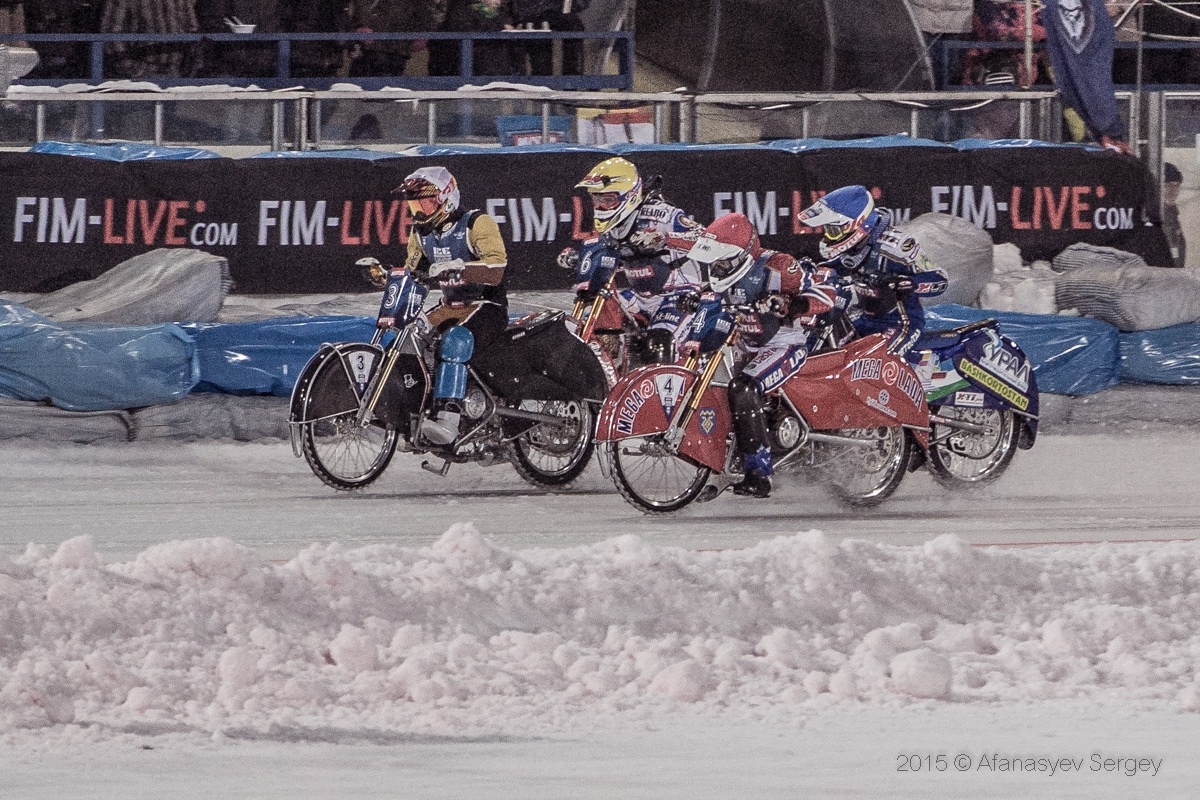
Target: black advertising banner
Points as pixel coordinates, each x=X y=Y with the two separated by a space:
x=297 y=225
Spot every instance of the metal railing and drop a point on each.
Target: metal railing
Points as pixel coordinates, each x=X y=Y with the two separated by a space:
x=299 y=119
x=302 y=119
x=285 y=75
x=948 y=56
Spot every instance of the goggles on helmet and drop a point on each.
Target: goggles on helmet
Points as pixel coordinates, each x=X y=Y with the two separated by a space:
x=606 y=201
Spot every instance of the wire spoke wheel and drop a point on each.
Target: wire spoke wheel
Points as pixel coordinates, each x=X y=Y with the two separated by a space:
x=973 y=458
x=652 y=477
x=340 y=451
x=866 y=472
x=550 y=454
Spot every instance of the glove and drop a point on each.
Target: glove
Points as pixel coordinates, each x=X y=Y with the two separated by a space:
x=584 y=295
x=774 y=304
x=375 y=273
x=648 y=240
x=447 y=271
x=569 y=259
x=687 y=303
x=875 y=298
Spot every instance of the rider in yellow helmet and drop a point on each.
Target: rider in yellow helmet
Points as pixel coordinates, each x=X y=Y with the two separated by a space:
x=653 y=237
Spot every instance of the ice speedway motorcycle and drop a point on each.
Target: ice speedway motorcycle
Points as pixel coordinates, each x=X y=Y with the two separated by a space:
x=530 y=398
x=983 y=401
x=980 y=388
x=852 y=416
x=616 y=336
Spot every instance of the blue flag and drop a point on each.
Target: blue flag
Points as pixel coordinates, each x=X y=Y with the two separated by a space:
x=1080 y=38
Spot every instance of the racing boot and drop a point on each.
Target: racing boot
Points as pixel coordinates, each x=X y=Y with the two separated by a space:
x=758 y=471
x=441 y=427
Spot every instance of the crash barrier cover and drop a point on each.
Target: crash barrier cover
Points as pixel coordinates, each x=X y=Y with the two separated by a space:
x=1070 y=355
x=1167 y=355
x=83 y=367
x=297 y=225
x=124 y=151
x=265 y=357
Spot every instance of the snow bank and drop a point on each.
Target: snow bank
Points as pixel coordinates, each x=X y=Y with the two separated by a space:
x=463 y=636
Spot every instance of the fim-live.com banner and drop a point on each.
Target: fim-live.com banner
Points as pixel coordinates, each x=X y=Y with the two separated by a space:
x=298 y=225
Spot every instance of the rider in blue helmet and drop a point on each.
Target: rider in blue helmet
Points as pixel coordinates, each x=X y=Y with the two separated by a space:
x=887 y=272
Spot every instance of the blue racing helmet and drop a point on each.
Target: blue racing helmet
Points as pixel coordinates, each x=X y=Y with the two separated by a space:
x=846 y=216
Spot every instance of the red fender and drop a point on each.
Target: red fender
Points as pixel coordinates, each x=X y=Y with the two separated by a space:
x=644 y=402
x=862 y=386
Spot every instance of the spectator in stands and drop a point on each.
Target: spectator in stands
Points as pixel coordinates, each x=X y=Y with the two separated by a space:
x=553 y=15
x=137 y=60
x=1172 y=183
x=234 y=59
x=320 y=59
x=1001 y=21
x=386 y=57
x=62 y=59
x=473 y=16
x=12 y=19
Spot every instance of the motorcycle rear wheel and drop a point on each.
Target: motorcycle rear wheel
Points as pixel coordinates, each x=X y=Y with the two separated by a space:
x=342 y=453
x=652 y=478
x=554 y=456
x=971 y=459
x=863 y=476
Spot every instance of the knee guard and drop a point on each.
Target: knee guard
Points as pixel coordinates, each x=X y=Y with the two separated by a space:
x=660 y=346
x=454 y=351
x=749 y=416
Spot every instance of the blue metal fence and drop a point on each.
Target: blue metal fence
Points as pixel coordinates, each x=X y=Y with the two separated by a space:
x=621 y=43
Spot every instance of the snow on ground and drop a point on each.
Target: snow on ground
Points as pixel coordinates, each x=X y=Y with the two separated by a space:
x=464 y=637
x=206 y=620
x=198 y=624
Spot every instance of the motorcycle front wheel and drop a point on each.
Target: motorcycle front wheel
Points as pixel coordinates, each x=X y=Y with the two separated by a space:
x=866 y=472
x=340 y=451
x=973 y=458
x=652 y=478
x=554 y=455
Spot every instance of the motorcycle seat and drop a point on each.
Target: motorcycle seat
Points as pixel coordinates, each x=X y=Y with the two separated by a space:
x=940 y=340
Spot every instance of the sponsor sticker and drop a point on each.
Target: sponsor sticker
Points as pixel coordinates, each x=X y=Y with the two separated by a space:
x=708 y=420
x=969 y=399
x=994 y=384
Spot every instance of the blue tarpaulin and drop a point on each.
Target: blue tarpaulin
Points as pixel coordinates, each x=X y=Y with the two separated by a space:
x=1167 y=355
x=92 y=367
x=360 y=153
x=264 y=357
x=124 y=151
x=1070 y=355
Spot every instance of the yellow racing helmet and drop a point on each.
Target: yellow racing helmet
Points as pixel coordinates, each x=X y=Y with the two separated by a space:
x=616 y=191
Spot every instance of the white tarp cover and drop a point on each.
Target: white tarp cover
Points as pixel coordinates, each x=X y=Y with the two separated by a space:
x=164 y=285
x=1124 y=291
x=962 y=249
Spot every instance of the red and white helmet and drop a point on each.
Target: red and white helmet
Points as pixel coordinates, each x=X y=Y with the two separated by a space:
x=726 y=250
x=432 y=195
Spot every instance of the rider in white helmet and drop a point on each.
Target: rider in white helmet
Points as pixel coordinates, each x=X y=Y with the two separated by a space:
x=462 y=253
x=787 y=296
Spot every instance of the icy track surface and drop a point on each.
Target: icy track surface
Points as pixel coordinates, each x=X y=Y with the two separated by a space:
x=203 y=621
